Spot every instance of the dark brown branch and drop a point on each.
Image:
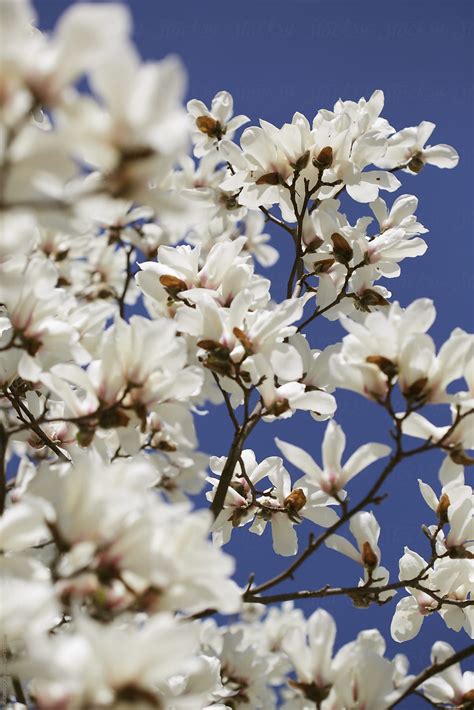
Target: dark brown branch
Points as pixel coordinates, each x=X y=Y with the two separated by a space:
x=25 y=416
x=235 y=452
x=128 y=278
x=271 y=218
x=3 y=467
x=341 y=295
x=227 y=401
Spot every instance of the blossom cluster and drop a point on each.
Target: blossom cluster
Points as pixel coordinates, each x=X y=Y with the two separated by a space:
x=134 y=234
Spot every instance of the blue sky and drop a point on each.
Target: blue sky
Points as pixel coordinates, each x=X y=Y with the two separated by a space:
x=279 y=56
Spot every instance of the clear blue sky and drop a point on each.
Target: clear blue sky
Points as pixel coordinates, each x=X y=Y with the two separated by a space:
x=278 y=56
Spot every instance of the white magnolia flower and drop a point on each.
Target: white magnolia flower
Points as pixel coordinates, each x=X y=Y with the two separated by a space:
x=333 y=476
x=37 y=317
x=245 y=669
x=29 y=606
x=89 y=666
x=406 y=148
x=454 y=443
x=266 y=164
x=364 y=677
x=310 y=651
x=282 y=504
x=375 y=350
x=357 y=676
x=106 y=522
x=401 y=215
x=257 y=240
x=454 y=506
x=211 y=125
x=142 y=363
x=178 y=276
x=448 y=578
x=84 y=36
x=451 y=686
x=137 y=132
x=366 y=530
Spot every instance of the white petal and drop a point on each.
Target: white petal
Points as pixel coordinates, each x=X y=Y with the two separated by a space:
x=285 y=540
x=301 y=459
x=363 y=457
x=442 y=156
x=406 y=621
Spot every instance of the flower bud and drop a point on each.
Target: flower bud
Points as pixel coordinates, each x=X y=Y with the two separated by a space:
x=459 y=456
x=323 y=266
x=244 y=339
x=442 y=509
x=324 y=158
x=269 y=179
x=301 y=163
x=416 y=391
x=369 y=298
x=278 y=408
x=111 y=418
x=311 y=691
x=295 y=500
x=213 y=346
x=369 y=558
x=85 y=436
x=173 y=284
x=416 y=164
x=209 y=126
x=342 y=250
x=388 y=367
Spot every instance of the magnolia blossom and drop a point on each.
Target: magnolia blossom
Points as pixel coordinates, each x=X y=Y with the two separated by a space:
x=407 y=148
x=113 y=527
x=449 y=578
x=450 y=686
x=357 y=674
x=454 y=506
x=89 y=666
x=380 y=347
x=28 y=290
x=455 y=440
x=333 y=477
x=212 y=125
x=178 y=277
x=282 y=504
x=366 y=531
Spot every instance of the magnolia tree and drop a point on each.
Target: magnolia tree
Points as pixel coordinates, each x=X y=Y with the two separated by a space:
x=117 y=592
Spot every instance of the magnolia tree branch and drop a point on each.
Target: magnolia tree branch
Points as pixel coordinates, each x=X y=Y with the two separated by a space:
x=127 y=280
x=3 y=468
x=30 y=422
x=233 y=457
x=363 y=595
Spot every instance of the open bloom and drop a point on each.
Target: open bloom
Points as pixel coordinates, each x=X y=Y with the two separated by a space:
x=211 y=125
x=357 y=676
x=451 y=686
x=89 y=668
x=333 y=476
x=455 y=438
x=455 y=506
x=374 y=351
x=449 y=579
x=281 y=504
x=366 y=531
x=407 y=148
